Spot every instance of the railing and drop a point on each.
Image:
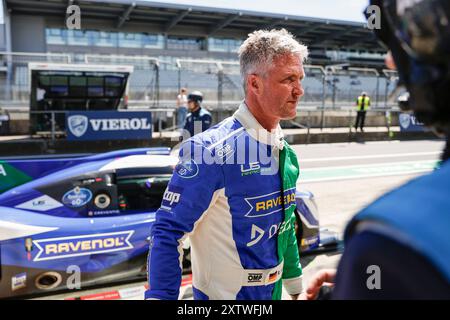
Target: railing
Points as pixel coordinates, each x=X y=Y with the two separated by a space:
x=326 y=86
x=154 y=88
x=14 y=75
x=343 y=118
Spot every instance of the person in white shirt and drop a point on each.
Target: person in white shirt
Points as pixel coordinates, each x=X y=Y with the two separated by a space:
x=181 y=108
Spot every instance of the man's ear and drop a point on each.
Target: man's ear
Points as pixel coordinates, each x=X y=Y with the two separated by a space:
x=254 y=84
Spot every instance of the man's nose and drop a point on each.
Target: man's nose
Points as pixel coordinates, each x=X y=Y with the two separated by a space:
x=298 y=90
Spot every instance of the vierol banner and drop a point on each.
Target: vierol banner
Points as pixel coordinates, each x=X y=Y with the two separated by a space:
x=108 y=125
x=408 y=122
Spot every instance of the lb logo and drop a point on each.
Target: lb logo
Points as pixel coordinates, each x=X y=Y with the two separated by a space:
x=77 y=197
x=186 y=168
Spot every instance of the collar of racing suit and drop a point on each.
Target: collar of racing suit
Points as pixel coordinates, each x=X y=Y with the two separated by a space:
x=256 y=130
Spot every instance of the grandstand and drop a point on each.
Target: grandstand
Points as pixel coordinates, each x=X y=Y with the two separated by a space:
x=173 y=46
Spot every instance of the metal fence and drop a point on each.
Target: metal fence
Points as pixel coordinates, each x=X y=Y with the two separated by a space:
x=52 y=124
x=156 y=83
x=218 y=80
x=14 y=75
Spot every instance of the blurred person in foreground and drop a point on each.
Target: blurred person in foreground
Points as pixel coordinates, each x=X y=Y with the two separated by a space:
x=399 y=246
x=233 y=191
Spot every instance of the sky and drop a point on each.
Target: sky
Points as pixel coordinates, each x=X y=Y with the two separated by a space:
x=347 y=10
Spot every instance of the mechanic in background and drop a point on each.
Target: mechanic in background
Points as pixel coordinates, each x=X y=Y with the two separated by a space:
x=399 y=246
x=198 y=119
x=362 y=105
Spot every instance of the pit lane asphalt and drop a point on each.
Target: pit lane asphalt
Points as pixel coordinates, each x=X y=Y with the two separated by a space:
x=339 y=199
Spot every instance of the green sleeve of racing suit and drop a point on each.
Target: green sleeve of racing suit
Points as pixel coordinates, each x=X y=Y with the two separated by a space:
x=292 y=269
x=287 y=242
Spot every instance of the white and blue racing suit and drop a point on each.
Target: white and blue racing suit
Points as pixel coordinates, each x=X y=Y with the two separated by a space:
x=233 y=194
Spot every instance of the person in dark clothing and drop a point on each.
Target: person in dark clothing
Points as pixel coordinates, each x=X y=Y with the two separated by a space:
x=362 y=105
x=198 y=119
x=399 y=246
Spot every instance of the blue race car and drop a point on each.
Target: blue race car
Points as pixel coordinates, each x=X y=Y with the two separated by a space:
x=68 y=220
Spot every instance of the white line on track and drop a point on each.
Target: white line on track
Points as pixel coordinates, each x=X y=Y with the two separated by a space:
x=376 y=175
x=383 y=164
x=375 y=156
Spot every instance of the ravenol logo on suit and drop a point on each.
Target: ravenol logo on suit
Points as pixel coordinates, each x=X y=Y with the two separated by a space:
x=268 y=204
x=108 y=125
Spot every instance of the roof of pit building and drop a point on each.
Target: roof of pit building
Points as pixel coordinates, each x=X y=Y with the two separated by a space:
x=201 y=21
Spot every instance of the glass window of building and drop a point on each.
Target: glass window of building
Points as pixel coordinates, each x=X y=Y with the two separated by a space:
x=223 y=45
x=93 y=37
x=153 y=41
x=235 y=44
x=183 y=43
x=130 y=40
x=59 y=86
x=168 y=63
x=56 y=36
x=104 y=39
x=107 y=39
x=77 y=38
x=95 y=87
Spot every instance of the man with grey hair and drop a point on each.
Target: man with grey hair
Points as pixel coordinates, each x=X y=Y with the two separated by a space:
x=233 y=190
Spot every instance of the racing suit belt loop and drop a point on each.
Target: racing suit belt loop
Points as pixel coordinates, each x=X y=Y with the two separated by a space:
x=262 y=277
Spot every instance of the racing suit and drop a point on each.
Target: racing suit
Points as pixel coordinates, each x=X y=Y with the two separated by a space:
x=233 y=194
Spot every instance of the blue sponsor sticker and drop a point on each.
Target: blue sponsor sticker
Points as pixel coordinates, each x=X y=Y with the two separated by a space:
x=102 y=213
x=77 y=197
x=268 y=204
x=67 y=247
x=311 y=242
x=409 y=122
x=19 y=281
x=186 y=168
